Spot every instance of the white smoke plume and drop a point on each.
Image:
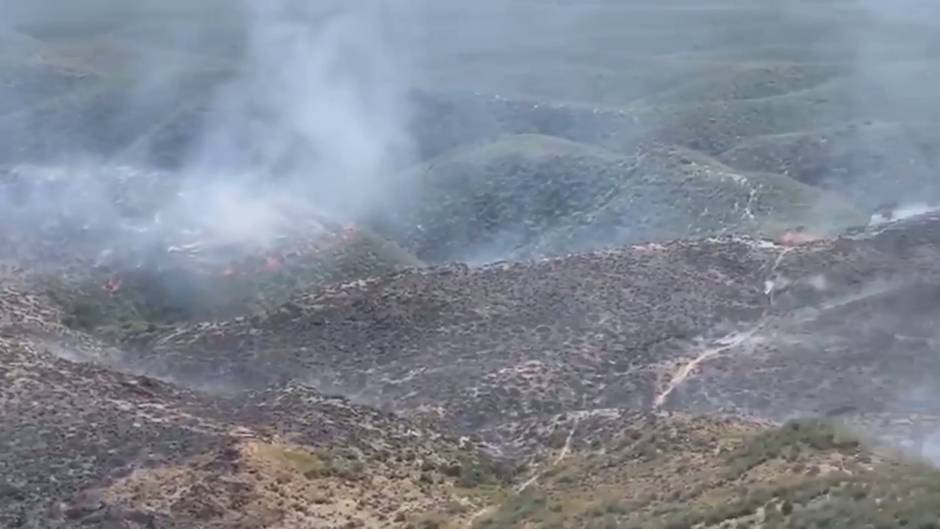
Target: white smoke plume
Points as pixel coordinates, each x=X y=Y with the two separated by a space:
x=311 y=114
x=319 y=108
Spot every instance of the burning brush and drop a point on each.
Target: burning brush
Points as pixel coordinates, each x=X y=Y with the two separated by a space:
x=112 y=285
x=276 y=261
x=797 y=237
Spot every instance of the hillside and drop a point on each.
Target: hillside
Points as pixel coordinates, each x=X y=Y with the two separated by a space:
x=672 y=326
x=530 y=195
x=85 y=445
x=503 y=264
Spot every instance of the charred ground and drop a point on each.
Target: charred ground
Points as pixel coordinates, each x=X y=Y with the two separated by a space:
x=631 y=359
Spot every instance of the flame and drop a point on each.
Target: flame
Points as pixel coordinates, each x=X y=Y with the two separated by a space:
x=795 y=238
x=273 y=263
x=112 y=285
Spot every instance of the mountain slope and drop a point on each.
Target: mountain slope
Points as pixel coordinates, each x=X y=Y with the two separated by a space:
x=532 y=195
x=87 y=446
x=649 y=326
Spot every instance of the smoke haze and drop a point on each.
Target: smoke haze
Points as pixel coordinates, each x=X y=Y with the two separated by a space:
x=256 y=111
x=155 y=125
x=288 y=105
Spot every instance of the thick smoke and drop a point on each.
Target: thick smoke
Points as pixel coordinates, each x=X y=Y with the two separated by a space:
x=319 y=110
x=281 y=108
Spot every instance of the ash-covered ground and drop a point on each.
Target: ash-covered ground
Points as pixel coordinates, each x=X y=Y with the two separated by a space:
x=593 y=264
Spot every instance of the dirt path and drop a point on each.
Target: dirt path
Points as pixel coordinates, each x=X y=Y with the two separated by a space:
x=685 y=370
x=535 y=477
x=679 y=376
x=558 y=459
x=725 y=343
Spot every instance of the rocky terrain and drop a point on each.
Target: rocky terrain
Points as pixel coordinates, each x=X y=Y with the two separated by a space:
x=659 y=265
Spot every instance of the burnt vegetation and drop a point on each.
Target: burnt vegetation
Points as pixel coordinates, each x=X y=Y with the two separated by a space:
x=350 y=265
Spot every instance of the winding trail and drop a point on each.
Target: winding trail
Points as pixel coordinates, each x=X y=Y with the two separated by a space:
x=558 y=459
x=729 y=341
x=679 y=376
x=535 y=477
x=685 y=370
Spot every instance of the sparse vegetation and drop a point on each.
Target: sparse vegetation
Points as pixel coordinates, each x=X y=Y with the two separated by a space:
x=751 y=485
x=686 y=127
x=478 y=472
x=317 y=464
x=789 y=441
x=528 y=507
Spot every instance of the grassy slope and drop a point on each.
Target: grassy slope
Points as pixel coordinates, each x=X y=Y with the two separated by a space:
x=684 y=473
x=672 y=472
x=531 y=194
x=756 y=79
